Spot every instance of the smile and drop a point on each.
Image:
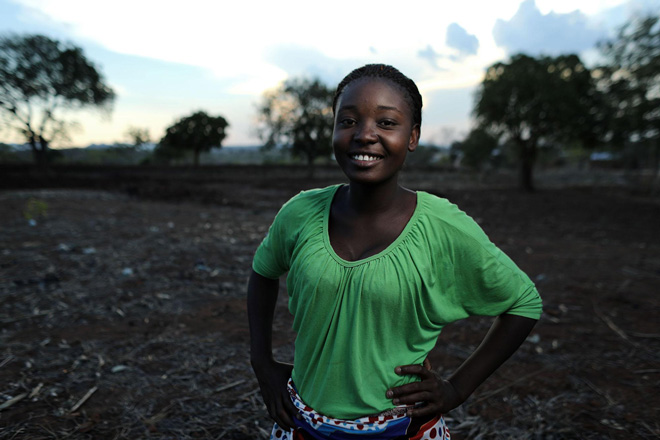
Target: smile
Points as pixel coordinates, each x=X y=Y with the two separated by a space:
x=365 y=157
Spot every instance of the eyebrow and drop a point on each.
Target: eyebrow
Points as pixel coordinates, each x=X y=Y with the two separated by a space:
x=380 y=107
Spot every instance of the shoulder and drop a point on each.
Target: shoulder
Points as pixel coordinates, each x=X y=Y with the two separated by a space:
x=439 y=209
x=306 y=202
x=447 y=219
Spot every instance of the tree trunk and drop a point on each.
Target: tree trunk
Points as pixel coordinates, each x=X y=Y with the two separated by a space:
x=35 y=150
x=655 y=185
x=40 y=153
x=527 y=159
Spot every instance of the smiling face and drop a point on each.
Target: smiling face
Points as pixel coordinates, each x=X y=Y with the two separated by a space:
x=373 y=130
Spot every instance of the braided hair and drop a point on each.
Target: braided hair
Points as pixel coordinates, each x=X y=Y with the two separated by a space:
x=411 y=95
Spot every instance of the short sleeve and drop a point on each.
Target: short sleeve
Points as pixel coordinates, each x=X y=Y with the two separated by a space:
x=273 y=256
x=488 y=282
x=494 y=285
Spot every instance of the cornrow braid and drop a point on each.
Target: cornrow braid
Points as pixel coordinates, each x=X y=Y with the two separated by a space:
x=412 y=95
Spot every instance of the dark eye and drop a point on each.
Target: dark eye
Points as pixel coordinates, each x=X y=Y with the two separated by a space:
x=387 y=123
x=347 y=122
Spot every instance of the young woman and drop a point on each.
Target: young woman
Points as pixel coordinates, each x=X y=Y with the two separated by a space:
x=375 y=271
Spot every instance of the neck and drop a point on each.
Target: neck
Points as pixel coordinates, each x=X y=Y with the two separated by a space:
x=373 y=199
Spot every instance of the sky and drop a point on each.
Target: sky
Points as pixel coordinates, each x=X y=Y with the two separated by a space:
x=166 y=60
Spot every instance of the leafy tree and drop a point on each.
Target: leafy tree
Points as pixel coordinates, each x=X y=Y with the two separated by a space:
x=138 y=136
x=477 y=147
x=631 y=80
x=198 y=133
x=40 y=78
x=538 y=101
x=298 y=115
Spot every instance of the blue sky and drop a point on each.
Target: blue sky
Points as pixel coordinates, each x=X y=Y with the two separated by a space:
x=168 y=59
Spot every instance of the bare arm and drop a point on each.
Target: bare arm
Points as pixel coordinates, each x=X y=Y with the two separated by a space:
x=272 y=375
x=503 y=339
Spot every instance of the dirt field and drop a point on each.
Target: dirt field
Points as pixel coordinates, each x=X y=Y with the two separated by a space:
x=123 y=310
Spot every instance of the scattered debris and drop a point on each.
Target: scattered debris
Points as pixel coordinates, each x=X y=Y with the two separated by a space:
x=63 y=247
x=83 y=400
x=119 y=368
x=13 y=401
x=162 y=352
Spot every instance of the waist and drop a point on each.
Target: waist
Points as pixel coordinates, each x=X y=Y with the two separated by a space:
x=349 y=390
x=391 y=423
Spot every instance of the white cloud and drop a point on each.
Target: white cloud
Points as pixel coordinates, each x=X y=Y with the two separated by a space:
x=431 y=56
x=230 y=39
x=533 y=32
x=251 y=46
x=459 y=39
x=588 y=7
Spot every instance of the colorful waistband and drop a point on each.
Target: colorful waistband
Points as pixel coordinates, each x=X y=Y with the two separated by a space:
x=387 y=425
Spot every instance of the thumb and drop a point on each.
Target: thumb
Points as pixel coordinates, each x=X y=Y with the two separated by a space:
x=427 y=364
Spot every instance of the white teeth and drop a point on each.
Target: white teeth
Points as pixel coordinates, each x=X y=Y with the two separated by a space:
x=364 y=157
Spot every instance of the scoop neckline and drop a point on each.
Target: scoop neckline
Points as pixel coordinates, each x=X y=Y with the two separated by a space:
x=326 y=232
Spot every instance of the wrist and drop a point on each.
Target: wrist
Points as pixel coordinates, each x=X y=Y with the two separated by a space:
x=461 y=393
x=261 y=362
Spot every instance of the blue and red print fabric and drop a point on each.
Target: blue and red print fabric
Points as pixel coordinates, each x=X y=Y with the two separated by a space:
x=384 y=426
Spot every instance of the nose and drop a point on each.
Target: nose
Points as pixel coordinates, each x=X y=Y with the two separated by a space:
x=366 y=133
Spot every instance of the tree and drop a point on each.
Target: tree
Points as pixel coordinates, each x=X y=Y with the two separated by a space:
x=538 y=101
x=198 y=133
x=138 y=136
x=39 y=78
x=631 y=81
x=298 y=115
x=477 y=147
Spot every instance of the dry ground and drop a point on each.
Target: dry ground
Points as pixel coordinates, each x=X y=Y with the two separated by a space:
x=123 y=316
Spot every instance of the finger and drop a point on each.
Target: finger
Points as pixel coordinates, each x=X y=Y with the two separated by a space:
x=409 y=399
x=278 y=412
x=284 y=420
x=406 y=389
x=416 y=369
x=424 y=411
x=427 y=364
x=292 y=410
x=282 y=416
x=272 y=412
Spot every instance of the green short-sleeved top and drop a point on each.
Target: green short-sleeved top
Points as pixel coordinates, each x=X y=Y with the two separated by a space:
x=357 y=320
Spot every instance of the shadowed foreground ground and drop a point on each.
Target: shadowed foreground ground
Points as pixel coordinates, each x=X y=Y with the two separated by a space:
x=124 y=317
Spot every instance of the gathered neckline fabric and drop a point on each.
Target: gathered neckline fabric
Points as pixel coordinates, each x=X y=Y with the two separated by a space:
x=392 y=246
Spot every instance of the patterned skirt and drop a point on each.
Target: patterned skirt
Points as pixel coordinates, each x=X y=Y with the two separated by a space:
x=388 y=425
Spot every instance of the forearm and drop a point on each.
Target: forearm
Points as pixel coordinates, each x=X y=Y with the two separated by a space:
x=503 y=339
x=272 y=375
x=261 y=300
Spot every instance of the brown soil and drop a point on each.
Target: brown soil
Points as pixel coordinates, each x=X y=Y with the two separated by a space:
x=136 y=295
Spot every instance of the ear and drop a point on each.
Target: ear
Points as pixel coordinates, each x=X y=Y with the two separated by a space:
x=414 y=138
